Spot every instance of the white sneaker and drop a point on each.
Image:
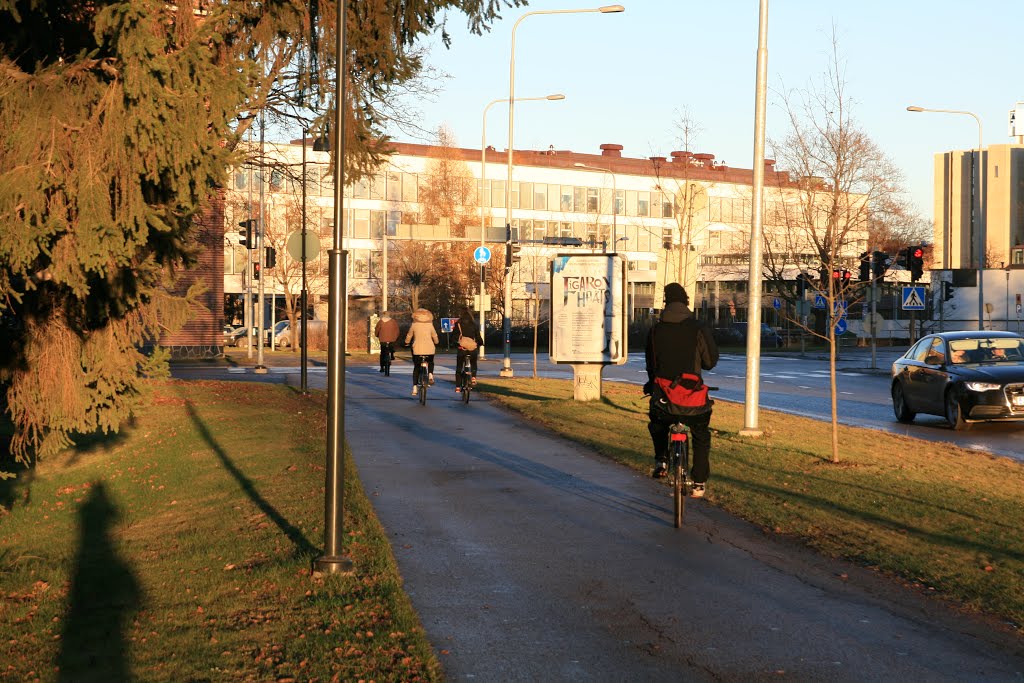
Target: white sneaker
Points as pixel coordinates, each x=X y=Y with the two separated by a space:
x=697 y=491
x=415 y=391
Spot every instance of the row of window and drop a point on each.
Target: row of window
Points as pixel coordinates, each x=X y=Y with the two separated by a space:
x=397 y=186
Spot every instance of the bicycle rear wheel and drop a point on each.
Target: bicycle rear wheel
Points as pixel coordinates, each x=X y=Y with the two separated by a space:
x=678 y=449
x=467 y=386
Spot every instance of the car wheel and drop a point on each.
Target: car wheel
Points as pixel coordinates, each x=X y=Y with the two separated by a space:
x=954 y=413
x=899 y=405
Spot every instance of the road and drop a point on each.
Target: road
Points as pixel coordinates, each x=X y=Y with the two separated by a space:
x=789 y=383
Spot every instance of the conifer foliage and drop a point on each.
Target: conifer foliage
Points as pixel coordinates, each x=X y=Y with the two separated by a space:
x=118 y=123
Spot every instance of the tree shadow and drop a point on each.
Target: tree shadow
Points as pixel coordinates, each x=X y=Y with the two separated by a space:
x=298 y=539
x=104 y=592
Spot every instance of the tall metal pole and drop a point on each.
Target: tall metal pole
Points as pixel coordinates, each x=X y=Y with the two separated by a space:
x=750 y=415
x=332 y=561
x=303 y=348
x=250 y=310
x=981 y=218
x=874 y=307
x=260 y=367
x=506 y=321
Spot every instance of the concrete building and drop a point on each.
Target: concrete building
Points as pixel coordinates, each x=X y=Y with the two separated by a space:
x=685 y=217
x=958 y=209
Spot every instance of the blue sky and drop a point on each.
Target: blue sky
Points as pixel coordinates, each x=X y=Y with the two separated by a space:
x=626 y=75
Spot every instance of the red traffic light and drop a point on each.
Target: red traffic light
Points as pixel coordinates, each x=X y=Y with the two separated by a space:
x=846 y=276
x=835 y=274
x=918 y=252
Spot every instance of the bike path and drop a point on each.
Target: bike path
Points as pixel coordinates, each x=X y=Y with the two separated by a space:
x=529 y=558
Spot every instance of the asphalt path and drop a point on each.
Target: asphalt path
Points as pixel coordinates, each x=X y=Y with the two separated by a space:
x=529 y=558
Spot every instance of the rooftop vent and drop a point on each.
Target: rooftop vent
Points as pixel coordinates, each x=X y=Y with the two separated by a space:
x=609 y=150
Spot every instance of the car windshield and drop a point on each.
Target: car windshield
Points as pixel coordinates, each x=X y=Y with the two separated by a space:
x=280 y=326
x=987 y=350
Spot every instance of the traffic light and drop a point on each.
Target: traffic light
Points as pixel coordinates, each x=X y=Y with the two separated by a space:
x=250 y=229
x=255 y=271
x=865 y=266
x=801 y=285
x=270 y=257
x=947 y=290
x=915 y=257
x=878 y=264
x=903 y=258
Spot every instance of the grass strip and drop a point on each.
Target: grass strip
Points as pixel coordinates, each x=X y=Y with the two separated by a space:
x=945 y=519
x=180 y=550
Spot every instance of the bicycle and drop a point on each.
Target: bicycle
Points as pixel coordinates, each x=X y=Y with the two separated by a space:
x=423 y=381
x=385 y=358
x=679 y=467
x=465 y=380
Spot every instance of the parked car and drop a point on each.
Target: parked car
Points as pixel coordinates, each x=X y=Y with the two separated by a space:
x=963 y=376
x=284 y=335
x=233 y=337
x=735 y=334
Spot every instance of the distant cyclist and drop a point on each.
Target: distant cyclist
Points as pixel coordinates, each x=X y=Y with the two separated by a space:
x=679 y=344
x=424 y=339
x=386 y=330
x=468 y=333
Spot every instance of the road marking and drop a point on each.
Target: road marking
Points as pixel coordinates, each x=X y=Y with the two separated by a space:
x=848 y=393
x=802 y=387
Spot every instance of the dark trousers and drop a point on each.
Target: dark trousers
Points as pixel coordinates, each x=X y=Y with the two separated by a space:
x=460 y=358
x=389 y=349
x=416 y=360
x=700 y=441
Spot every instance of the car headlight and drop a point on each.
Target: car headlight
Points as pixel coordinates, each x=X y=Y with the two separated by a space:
x=982 y=386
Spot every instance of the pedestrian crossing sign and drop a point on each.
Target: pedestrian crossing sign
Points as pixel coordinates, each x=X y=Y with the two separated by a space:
x=913 y=298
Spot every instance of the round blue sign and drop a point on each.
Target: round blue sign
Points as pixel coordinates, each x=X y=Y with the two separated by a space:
x=482 y=255
x=841 y=326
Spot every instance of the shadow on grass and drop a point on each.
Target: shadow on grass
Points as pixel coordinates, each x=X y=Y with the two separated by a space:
x=104 y=593
x=298 y=539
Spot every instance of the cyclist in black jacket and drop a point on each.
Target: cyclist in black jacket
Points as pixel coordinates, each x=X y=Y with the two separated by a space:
x=679 y=343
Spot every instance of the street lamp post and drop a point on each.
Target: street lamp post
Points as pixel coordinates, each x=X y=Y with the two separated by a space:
x=615 y=198
x=506 y=325
x=979 y=214
x=756 y=277
x=483 y=188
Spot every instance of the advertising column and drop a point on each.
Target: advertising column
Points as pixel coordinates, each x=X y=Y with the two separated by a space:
x=589 y=328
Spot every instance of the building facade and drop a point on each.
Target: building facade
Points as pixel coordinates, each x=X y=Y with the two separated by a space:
x=685 y=218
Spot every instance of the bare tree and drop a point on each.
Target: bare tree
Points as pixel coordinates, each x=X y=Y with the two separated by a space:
x=838 y=175
x=449 y=190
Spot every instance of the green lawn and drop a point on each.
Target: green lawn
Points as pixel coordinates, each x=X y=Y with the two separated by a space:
x=180 y=550
x=944 y=518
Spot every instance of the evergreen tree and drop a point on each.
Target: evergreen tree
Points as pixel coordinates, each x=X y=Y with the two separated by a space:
x=119 y=121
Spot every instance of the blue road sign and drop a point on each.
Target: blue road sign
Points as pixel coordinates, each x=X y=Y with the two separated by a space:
x=819 y=301
x=776 y=304
x=482 y=255
x=841 y=326
x=448 y=324
x=913 y=298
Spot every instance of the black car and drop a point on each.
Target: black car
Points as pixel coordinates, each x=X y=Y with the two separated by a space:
x=963 y=376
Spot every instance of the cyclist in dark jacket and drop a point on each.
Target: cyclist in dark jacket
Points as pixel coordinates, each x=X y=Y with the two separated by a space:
x=679 y=343
x=467 y=327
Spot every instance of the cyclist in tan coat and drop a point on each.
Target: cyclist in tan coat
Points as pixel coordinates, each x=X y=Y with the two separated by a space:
x=423 y=338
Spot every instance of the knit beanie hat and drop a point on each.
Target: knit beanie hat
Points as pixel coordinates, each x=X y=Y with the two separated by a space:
x=675 y=292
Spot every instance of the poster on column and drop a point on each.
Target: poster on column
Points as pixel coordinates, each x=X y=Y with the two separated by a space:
x=588 y=298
